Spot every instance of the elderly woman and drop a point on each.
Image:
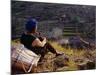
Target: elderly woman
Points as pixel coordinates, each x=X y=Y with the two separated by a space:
x=39 y=45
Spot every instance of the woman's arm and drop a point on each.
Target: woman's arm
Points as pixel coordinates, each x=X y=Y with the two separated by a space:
x=39 y=43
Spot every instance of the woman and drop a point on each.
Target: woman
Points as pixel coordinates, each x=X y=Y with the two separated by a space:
x=39 y=45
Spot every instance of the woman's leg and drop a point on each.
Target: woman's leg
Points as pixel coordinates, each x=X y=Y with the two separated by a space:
x=50 y=48
x=42 y=51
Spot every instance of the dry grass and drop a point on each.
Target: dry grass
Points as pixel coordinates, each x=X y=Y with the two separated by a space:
x=72 y=54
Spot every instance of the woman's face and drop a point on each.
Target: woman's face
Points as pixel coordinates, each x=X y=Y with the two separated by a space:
x=34 y=30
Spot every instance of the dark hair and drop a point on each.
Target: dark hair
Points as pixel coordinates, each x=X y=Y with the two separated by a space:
x=31 y=25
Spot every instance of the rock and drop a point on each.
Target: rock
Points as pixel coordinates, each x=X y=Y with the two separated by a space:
x=82 y=66
x=61 y=61
x=87 y=65
x=91 y=65
x=63 y=68
x=79 y=60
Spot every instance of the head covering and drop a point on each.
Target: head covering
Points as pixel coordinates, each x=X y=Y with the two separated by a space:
x=30 y=24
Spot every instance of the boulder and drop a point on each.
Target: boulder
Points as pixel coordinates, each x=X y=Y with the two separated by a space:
x=61 y=61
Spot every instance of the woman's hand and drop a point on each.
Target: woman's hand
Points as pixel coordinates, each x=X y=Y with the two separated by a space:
x=44 y=39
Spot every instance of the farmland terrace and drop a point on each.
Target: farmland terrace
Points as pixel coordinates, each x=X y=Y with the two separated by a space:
x=70 y=19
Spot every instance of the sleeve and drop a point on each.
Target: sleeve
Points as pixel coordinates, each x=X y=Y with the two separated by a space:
x=31 y=39
x=27 y=40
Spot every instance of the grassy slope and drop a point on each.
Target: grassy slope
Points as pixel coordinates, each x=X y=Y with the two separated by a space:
x=71 y=53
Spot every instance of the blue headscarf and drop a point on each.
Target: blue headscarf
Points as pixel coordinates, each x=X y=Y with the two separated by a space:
x=30 y=24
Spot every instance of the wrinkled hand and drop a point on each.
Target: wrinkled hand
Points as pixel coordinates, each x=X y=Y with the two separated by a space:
x=44 y=38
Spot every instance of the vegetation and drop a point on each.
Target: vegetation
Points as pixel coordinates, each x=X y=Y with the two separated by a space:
x=64 y=20
x=76 y=57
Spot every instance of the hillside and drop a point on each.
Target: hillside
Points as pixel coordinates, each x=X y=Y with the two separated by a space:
x=52 y=16
x=70 y=29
